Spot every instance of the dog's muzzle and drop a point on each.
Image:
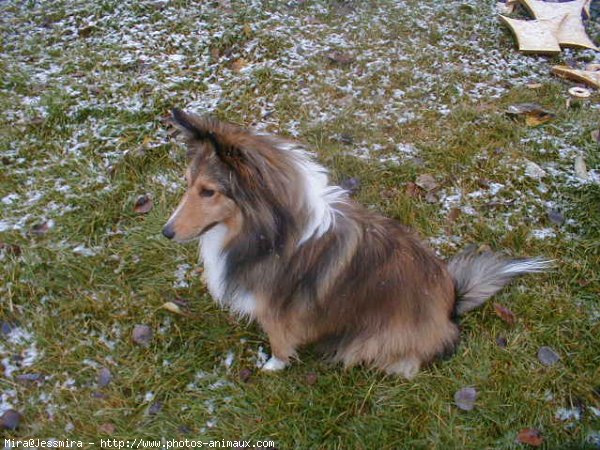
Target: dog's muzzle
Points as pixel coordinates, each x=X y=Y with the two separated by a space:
x=168 y=231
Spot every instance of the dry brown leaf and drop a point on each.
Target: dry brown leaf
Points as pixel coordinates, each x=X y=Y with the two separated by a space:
x=465 y=398
x=311 y=378
x=534 y=114
x=10 y=420
x=142 y=335
x=173 y=307
x=411 y=189
x=580 y=168
x=143 y=204
x=505 y=314
x=340 y=58
x=10 y=249
x=245 y=374
x=534 y=85
x=107 y=428
x=238 y=64
x=426 y=182
x=547 y=356
x=453 y=214
x=430 y=197
x=40 y=229
x=530 y=436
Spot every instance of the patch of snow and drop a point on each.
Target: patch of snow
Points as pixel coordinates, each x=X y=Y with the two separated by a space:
x=568 y=414
x=261 y=357
x=229 y=359
x=543 y=233
x=180 y=274
x=84 y=251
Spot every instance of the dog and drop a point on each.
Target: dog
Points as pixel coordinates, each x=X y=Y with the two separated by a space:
x=282 y=246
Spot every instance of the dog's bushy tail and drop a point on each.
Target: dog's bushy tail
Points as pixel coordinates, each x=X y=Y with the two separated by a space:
x=479 y=275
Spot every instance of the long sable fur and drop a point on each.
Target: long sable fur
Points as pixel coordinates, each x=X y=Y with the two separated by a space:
x=368 y=288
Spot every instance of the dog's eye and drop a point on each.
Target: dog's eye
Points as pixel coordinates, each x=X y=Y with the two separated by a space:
x=207 y=193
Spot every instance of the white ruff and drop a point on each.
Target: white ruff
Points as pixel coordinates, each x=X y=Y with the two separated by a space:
x=211 y=253
x=320 y=198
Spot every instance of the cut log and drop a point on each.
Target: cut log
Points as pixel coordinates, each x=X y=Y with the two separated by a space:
x=589 y=77
x=571 y=32
x=536 y=36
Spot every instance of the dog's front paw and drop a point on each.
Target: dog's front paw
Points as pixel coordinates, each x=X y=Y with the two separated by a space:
x=274 y=364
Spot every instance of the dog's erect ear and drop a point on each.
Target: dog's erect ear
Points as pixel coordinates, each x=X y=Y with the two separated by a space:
x=193 y=126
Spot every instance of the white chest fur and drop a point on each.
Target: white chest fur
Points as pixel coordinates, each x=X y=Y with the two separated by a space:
x=213 y=258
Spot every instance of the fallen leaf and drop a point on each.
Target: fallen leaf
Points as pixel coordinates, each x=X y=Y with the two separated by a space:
x=85 y=31
x=548 y=356
x=311 y=378
x=352 y=185
x=215 y=53
x=238 y=64
x=245 y=375
x=453 y=214
x=142 y=335
x=465 y=398
x=41 y=229
x=426 y=182
x=556 y=217
x=158 y=6
x=584 y=283
x=534 y=114
x=530 y=436
x=580 y=168
x=184 y=429
x=7 y=327
x=340 y=58
x=505 y=314
x=10 y=249
x=173 y=307
x=595 y=136
x=534 y=85
x=430 y=197
x=36 y=121
x=501 y=342
x=483 y=183
x=532 y=170
x=10 y=420
x=104 y=377
x=411 y=189
x=346 y=138
x=143 y=204
x=154 y=408
x=29 y=377
x=107 y=428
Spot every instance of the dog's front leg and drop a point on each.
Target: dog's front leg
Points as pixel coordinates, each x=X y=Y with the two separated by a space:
x=283 y=345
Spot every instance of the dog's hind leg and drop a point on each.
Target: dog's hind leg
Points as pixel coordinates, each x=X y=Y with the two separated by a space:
x=408 y=367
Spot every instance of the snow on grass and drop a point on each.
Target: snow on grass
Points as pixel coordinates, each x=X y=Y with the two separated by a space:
x=18 y=351
x=87 y=85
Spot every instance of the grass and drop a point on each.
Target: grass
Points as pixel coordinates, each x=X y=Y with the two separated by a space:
x=84 y=87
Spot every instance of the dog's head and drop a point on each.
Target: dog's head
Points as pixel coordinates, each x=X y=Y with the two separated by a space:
x=207 y=200
x=233 y=177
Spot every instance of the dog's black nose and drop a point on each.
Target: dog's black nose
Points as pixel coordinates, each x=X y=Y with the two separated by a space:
x=168 y=231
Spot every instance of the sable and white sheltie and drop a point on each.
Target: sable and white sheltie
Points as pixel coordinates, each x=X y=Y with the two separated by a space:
x=281 y=246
